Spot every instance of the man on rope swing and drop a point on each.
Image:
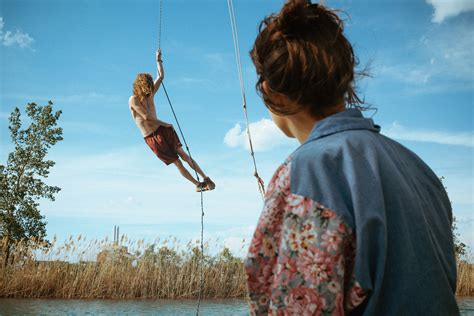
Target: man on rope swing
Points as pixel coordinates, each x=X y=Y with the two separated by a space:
x=160 y=136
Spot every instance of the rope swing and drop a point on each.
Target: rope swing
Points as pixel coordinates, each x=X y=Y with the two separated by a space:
x=260 y=182
x=197 y=175
x=235 y=38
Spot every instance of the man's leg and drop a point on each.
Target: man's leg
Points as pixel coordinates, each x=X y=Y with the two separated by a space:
x=191 y=162
x=184 y=172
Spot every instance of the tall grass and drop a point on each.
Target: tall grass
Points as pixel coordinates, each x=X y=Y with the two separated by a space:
x=133 y=270
x=136 y=269
x=465 y=285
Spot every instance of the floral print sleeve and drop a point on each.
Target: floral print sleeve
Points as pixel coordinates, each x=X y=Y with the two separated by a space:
x=301 y=257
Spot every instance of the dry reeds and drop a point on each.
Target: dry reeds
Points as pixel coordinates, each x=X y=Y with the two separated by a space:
x=133 y=270
x=129 y=269
x=465 y=285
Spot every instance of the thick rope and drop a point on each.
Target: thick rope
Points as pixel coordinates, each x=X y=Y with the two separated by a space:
x=235 y=38
x=201 y=259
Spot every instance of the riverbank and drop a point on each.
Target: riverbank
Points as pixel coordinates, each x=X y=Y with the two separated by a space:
x=135 y=270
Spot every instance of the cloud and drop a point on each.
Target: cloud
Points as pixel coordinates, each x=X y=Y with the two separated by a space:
x=236 y=239
x=446 y=9
x=131 y=188
x=131 y=183
x=406 y=73
x=265 y=136
x=444 y=62
x=216 y=59
x=397 y=131
x=191 y=81
x=86 y=128
x=87 y=98
x=9 y=38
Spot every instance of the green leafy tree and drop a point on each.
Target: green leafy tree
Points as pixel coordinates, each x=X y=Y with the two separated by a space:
x=22 y=178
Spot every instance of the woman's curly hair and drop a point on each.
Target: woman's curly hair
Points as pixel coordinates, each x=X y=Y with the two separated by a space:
x=143 y=86
x=301 y=52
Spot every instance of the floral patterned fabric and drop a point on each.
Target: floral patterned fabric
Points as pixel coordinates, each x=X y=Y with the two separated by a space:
x=301 y=257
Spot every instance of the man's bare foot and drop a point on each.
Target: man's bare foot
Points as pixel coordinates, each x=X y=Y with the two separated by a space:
x=201 y=187
x=210 y=185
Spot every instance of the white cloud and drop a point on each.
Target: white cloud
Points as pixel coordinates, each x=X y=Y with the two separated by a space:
x=397 y=131
x=445 y=62
x=406 y=73
x=132 y=188
x=445 y=9
x=133 y=185
x=9 y=38
x=265 y=136
x=237 y=245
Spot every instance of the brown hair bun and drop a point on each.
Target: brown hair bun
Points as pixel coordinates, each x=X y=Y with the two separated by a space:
x=301 y=52
x=296 y=18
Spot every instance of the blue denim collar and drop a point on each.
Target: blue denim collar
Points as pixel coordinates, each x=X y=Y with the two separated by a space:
x=350 y=119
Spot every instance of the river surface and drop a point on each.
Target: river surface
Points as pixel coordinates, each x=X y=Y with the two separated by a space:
x=144 y=307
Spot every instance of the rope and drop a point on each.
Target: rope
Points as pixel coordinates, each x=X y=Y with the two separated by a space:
x=202 y=199
x=201 y=259
x=235 y=38
x=159 y=27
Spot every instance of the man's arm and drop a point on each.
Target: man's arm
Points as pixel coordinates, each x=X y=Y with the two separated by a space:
x=160 y=74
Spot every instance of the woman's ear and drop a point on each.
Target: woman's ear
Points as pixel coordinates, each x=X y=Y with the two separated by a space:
x=269 y=92
x=266 y=88
x=274 y=96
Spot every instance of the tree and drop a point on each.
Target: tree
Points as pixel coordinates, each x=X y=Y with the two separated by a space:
x=459 y=246
x=21 y=180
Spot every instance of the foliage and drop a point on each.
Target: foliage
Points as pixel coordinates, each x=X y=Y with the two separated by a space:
x=460 y=248
x=22 y=178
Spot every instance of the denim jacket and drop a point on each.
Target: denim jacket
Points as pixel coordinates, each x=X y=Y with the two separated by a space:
x=353 y=223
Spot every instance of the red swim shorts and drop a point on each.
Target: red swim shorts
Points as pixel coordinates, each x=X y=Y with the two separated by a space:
x=165 y=144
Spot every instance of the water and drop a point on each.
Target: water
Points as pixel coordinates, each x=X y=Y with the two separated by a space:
x=466 y=305
x=144 y=307
x=122 y=307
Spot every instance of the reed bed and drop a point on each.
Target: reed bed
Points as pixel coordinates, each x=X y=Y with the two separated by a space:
x=465 y=285
x=78 y=269
x=121 y=271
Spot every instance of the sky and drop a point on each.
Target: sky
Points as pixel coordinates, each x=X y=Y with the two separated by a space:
x=84 y=55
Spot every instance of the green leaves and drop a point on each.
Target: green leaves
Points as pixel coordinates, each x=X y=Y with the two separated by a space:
x=22 y=178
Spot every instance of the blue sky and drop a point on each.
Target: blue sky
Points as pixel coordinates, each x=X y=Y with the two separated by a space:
x=84 y=55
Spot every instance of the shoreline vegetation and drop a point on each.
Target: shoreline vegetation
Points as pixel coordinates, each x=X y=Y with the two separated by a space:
x=123 y=269
x=81 y=269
